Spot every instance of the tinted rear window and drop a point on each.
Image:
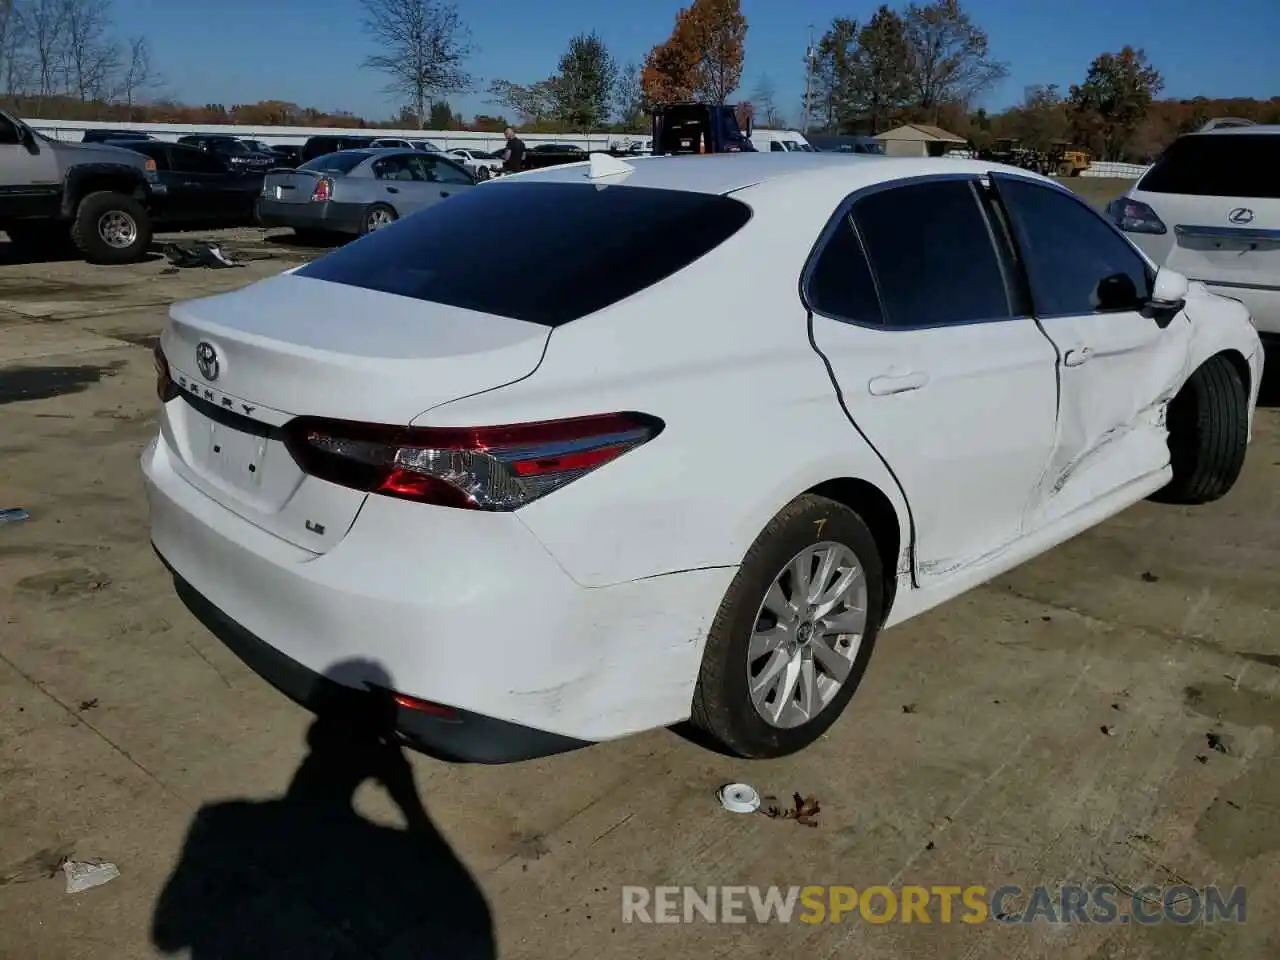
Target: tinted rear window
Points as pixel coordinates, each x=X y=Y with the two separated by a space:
x=1218 y=165
x=336 y=162
x=567 y=250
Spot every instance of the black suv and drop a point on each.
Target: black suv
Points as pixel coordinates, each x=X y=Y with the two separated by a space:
x=232 y=151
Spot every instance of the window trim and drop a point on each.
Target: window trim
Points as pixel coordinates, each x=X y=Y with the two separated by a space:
x=1021 y=243
x=845 y=211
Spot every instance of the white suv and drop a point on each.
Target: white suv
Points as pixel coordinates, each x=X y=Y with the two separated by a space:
x=1209 y=208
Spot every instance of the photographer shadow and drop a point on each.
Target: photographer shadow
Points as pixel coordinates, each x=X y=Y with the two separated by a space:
x=305 y=876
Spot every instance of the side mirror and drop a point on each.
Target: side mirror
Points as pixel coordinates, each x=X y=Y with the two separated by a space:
x=1170 y=290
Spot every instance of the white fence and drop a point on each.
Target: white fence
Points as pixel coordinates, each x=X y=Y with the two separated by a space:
x=293 y=136
x=1108 y=168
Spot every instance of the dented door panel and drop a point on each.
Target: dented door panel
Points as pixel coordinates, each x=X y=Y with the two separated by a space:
x=1117 y=374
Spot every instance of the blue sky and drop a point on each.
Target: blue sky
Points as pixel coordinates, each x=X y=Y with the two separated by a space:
x=309 y=51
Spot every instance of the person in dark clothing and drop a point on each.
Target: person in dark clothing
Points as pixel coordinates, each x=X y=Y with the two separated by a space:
x=513 y=156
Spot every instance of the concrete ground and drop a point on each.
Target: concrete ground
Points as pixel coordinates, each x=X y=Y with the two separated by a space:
x=974 y=754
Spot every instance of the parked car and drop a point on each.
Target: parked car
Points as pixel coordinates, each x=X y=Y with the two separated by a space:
x=232 y=151
x=492 y=486
x=402 y=144
x=286 y=154
x=97 y=197
x=101 y=136
x=319 y=146
x=1210 y=208
x=358 y=191
x=480 y=163
x=200 y=187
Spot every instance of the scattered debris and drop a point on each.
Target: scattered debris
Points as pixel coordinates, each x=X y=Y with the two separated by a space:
x=198 y=253
x=1192 y=695
x=1046 y=618
x=1149 y=577
x=1116 y=706
x=13 y=515
x=1233 y=805
x=86 y=874
x=42 y=865
x=908 y=708
x=804 y=810
x=88 y=704
x=1109 y=730
x=739 y=798
x=1220 y=742
x=929 y=845
x=1201 y=758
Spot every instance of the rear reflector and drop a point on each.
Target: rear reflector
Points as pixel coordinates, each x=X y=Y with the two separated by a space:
x=477 y=468
x=165 y=388
x=424 y=706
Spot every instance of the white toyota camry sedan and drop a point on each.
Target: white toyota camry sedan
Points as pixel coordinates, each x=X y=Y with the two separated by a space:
x=613 y=480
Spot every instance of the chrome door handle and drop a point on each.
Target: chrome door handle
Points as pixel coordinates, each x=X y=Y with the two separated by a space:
x=1077 y=356
x=889 y=384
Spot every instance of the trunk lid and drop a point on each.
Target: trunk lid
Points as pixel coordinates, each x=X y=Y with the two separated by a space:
x=250 y=361
x=290 y=186
x=1226 y=240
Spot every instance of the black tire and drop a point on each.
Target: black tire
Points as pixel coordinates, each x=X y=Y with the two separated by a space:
x=86 y=235
x=367 y=225
x=722 y=706
x=1208 y=423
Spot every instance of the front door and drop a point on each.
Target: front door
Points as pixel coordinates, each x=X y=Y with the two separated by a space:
x=1119 y=366
x=30 y=185
x=940 y=366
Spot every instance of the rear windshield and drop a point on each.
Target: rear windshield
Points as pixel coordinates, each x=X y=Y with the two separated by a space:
x=1218 y=165
x=336 y=162
x=568 y=249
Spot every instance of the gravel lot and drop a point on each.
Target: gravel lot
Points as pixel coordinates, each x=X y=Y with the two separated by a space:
x=974 y=754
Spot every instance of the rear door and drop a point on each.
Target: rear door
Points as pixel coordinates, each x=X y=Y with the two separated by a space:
x=1118 y=367
x=205 y=187
x=1218 y=195
x=403 y=183
x=939 y=363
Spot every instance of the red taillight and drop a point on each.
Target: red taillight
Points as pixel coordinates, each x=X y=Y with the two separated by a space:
x=165 y=388
x=477 y=468
x=427 y=707
x=323 y=190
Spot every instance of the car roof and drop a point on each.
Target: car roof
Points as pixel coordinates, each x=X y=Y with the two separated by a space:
x=1266 y=128
x=730 y=172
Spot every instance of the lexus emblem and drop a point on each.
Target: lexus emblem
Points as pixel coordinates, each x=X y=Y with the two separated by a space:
x=207 y=361
x=1241 y=215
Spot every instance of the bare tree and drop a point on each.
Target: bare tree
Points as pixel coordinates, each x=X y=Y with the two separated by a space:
x=138 y=75
x=628 y=98
x=764 y=100
x=44 y=30
x=424 y=48
x=531 y=104
x=90 y=53
x=950 y=56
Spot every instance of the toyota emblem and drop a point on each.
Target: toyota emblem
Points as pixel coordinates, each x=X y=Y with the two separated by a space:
x=1241 y=215
x=207 y=361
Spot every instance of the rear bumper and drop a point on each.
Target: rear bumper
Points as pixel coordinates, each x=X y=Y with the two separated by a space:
x=453 y=607
x=328 y=216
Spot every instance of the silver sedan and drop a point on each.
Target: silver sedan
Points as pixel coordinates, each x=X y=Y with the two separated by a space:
x=358 y=191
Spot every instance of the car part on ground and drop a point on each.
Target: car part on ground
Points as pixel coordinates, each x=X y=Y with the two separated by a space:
x=98 y=197
x=331 y=495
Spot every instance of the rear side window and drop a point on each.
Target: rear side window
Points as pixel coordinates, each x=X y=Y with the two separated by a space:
x=1218 y=165
x=336 y=162
x=546 y=274
x=840 y=283
x=932 y=254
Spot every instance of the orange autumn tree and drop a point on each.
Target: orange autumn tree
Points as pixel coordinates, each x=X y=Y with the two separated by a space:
x=702 y=59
